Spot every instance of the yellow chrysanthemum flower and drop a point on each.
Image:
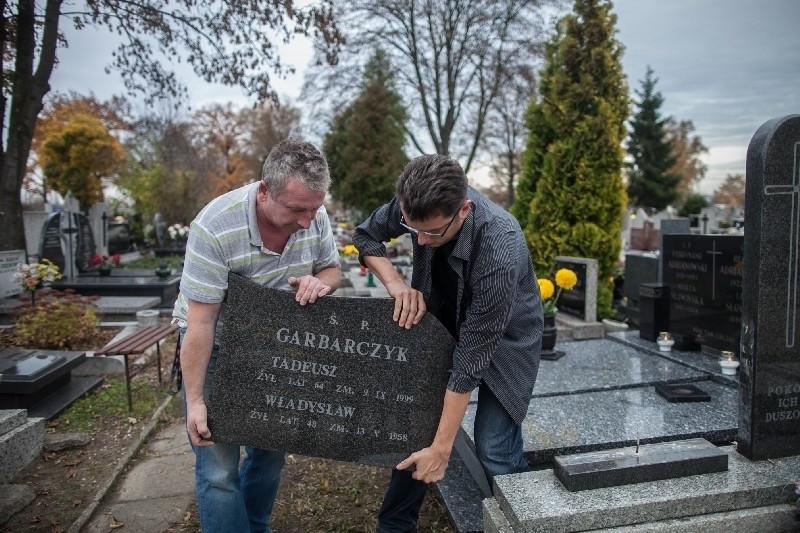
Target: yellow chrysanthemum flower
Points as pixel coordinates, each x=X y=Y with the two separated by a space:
x=566 y=278
x=350 y=250
x=546 y=288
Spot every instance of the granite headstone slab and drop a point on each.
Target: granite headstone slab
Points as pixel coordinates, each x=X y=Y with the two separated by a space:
x=50 y=241
x=86 y=245
x=704 y=274
x=10 y=261
x=769 y=412
x=336 y=379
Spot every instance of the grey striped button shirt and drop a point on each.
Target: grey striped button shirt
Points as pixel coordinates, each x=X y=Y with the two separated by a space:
x=498 y=307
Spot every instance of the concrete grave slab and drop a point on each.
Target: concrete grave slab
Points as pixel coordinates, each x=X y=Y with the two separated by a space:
x=583 y=422
x=537 y=501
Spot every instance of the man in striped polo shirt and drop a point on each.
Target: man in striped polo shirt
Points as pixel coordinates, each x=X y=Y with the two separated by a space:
x=472 y=270
x=277 y=233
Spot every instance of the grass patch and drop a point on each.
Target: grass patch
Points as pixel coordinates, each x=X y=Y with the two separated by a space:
x=110 y=402
x=151 y=261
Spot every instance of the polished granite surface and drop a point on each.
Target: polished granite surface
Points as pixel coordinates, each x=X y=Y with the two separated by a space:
x=537 y=501
x=602 y=395
x=697 y=360
x=607 y=365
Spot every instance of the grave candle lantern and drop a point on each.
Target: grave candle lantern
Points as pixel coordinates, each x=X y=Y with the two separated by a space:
x=665 y=341
x=728 y=363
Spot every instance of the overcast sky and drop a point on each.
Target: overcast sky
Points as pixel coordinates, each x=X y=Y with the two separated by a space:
x=726 y=65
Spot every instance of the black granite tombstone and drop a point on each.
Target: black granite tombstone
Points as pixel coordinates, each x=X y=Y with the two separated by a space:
x=640 y=267
x=41 y=380
x=337 y=378
x=653 y=310
x=125 y=283
x=769 y=411
x=119 y=237
x=704 y=274
x=86 y=245
x=573 y=302
x=639 y=464
x=50 y=241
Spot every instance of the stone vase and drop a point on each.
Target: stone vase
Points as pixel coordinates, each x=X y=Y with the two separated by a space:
x=549 y=334
x=163 y=271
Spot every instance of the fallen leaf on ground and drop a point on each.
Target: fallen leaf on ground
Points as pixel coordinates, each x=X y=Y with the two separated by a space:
x=116 y=524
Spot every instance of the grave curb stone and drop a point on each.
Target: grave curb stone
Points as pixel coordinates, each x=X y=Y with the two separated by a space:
x=649 y=462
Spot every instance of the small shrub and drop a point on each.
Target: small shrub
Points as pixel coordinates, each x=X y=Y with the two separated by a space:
x=59 y=320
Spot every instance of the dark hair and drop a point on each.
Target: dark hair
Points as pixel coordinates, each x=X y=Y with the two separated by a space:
x=431 y=185
x=294 y=158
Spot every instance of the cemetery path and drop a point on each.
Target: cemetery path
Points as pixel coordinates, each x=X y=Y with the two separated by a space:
x=315 y=495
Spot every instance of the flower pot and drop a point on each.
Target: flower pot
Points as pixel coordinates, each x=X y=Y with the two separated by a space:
x=163 y=272
x=549 y=334
x=104 y=271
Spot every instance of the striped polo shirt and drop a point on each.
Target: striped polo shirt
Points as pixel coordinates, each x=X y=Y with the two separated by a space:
x=224 y=238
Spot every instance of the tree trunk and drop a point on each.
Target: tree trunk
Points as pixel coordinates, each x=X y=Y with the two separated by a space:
x=26 y=103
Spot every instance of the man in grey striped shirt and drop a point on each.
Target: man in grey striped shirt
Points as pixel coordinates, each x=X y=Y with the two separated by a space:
x=277 y=233
x=472 y=270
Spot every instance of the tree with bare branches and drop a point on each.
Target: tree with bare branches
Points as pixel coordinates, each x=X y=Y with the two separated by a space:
x=451 y=60
x=224 y=41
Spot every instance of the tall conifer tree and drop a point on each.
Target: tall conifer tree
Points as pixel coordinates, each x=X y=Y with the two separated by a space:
x=364 y=146
x=652 y=181
x=571 y=196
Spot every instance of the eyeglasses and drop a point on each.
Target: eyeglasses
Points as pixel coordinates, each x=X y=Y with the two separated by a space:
x=415 y=231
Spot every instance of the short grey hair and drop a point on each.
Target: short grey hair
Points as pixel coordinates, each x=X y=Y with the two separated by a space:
x=295 y=158
x=431 y=185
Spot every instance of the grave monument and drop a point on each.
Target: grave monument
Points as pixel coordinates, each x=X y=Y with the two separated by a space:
x=337 y=378
x=769 y=413
x=704 y=275
x=10 y=261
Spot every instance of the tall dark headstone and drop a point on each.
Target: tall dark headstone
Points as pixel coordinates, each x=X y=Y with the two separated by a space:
x=337 y=378
x=640 y=267
x=86 y=245
x=769 y=412
x=50 y=242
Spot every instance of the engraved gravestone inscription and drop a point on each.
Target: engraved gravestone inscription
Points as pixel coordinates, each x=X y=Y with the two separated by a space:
x=336 y=379
x=704 y=274
x=10 y=261
x=769 y=411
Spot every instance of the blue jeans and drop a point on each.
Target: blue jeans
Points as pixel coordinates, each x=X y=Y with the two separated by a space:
x=498 y=443
x=233 y=497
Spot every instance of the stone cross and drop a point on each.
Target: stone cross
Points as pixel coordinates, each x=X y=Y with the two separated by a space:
x=793 y=190
x=713 y=253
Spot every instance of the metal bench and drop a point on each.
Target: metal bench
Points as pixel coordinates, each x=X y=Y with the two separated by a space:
x=136 y=344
